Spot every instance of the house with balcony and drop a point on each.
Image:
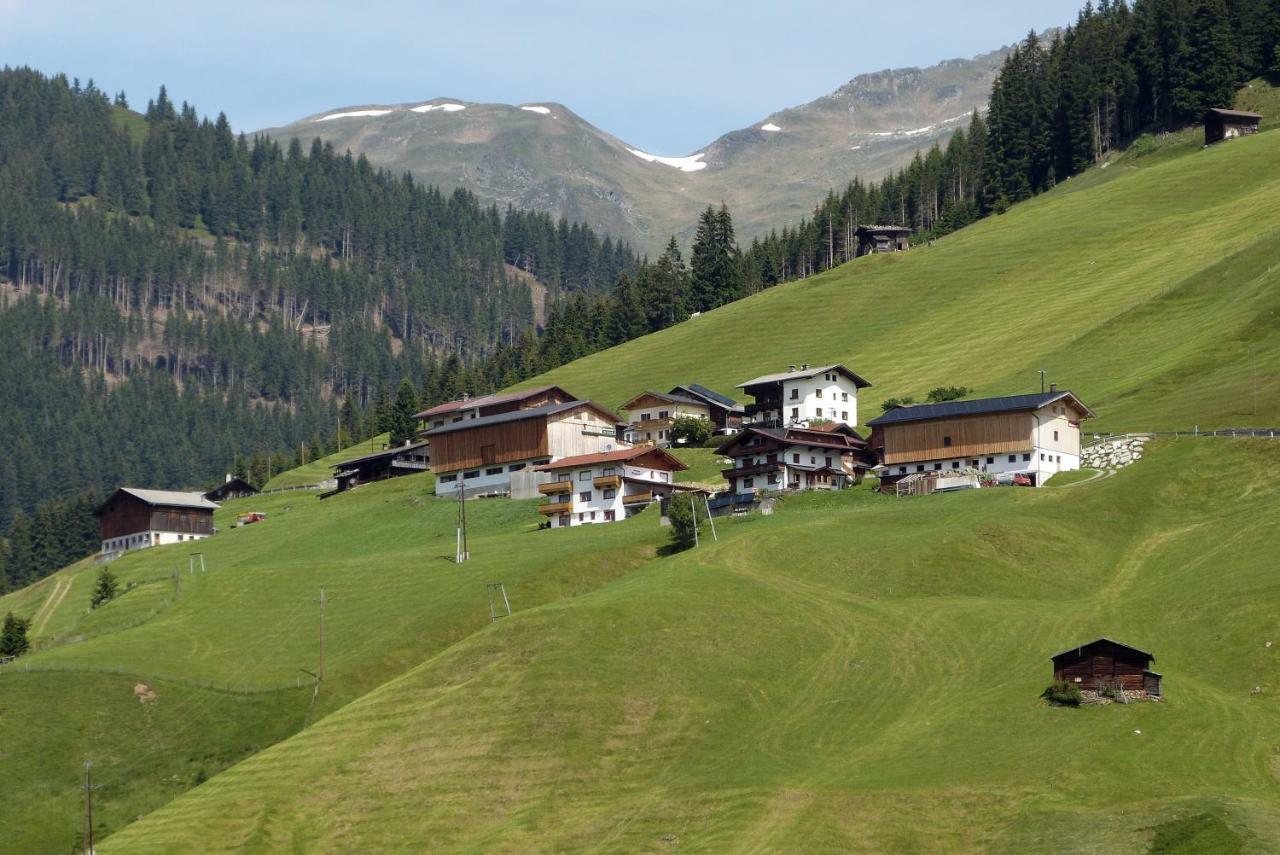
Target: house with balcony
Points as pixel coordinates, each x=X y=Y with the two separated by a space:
x=608 y=486
x=1035 y=435
x=725 y=413
x=481 y=455
x=767 y=460
x=803 y=395
x=650 y=416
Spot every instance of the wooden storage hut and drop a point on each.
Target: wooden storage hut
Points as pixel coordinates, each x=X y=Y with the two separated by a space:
x=232 y=488
x=1221 y=124
x=401 y=460
x=134 y=518
x=882 y=239
x=1104 y=662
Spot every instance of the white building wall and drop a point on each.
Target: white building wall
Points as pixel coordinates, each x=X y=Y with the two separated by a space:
x=145 y=539
x=484 y=480
x=832 y=394
x=597 y=507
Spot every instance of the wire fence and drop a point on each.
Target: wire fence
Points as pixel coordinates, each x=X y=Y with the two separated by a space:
x=224 y=686
x=1255 y=433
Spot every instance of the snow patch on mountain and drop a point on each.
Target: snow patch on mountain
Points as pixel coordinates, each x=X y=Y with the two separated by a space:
x=692 y=163
x=351 y=114
x=770 y=127
x=448 y=108
x=535 y=108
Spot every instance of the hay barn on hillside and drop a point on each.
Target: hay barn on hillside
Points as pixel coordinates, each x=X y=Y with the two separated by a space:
x=1103 y=662
x=1220 y=124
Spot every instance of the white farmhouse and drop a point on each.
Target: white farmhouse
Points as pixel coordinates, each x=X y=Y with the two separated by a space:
x=1034 y=435
x=799 y=396
x=606 y=487
x=767 y=460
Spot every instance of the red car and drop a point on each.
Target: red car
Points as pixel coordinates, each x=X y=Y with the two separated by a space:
x=1021 y=481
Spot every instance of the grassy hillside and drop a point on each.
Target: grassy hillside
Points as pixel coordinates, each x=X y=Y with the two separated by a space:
x=803 y=686
x=232 y=642
x=322 y=470
x=1149 y=288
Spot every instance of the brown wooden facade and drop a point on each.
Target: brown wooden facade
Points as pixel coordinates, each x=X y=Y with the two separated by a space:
x=1105 y=663
x=125 y=514
x=563 y=432
x=965 y=436
x=1222 y=125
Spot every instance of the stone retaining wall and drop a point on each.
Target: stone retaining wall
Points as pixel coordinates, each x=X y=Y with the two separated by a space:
x=1114 y=452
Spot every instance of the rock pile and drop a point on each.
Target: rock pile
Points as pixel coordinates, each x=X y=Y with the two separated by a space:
x=1113 y=453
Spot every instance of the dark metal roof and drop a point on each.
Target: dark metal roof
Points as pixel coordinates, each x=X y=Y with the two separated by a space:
x=520 y=415
x=664 y=396
x=390 y=452
x=802 y=373
x=161 y=498
x=976 y=407
x=484 y=401
x=703 y=392
x=1234 y=114
x=1103 y=640
x=893 y=229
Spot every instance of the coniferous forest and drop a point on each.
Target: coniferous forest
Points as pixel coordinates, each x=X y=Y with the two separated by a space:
x=177 y=301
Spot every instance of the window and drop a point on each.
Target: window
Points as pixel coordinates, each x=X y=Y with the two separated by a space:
x=902 y=470
x=609 y=494
x=606 y=472
x=644 y=417
x=748 y=483
x=844 y=396
x=828 y=462
x=515 y=467
x=564 y=520
x=795 y=458
x=608 y=516
x=795 y=394
x=662 y=434
x=955 y=464
x=946 y=442
x=593 y=516
x=1055 y=436
x=580 y=516
x=448 y=479
x=844 y=415
x=1013 y=458
x=584 y=497
x=584 y=475
x=817 y=413
x=496 y=470
x=563 y=477
x=1042 y=455
x=662 y=414
x=973 y=463
x=773 y=479
x=819 y=393
x=990 y=460
x=795 y=412
x=665 y=476
x=920 y=468
x=937 y=466
x=1026 y=458
x=474 y=473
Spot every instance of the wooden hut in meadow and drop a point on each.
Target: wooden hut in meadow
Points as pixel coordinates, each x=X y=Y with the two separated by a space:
x=1221 y=124
x=1103 y=662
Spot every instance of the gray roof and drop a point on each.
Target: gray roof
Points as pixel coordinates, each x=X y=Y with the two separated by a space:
x=976 y=407
x=1235 y=114
x=516 y=416
x=388 y=452
x=806 y=372
x=703 y=392
x=170 y=498
x=1104 y=640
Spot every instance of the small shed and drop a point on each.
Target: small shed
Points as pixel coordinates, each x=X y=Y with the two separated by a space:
x=1105 y=662
x=393 y=462
x=882 y=239
x=1221 y=124
x=232 y=488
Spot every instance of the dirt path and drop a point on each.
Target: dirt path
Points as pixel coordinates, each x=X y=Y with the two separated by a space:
x=60 y=588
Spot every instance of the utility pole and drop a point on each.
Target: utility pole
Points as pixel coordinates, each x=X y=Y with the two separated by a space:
x=321 y=601
x=461 y=554
x=88 y=807
x=1255 y=380
x=707 y=505
x=693 y=511
x=1042 y=373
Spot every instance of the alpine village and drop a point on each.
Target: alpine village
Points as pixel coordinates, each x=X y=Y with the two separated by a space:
x=450 y=476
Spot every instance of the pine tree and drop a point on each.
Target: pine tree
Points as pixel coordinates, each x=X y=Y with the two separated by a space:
x=401 y=424
x=13 y=638
x=104 y=590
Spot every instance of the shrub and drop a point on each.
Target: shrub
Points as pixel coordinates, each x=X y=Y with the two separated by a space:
x=680 y=511
x=687 y=430
x=947 y=393
x=894 y=403
x=1063 y=693
x=106 y=588
x=715 y=441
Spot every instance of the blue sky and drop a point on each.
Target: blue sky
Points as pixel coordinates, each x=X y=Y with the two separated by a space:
x=665 y=76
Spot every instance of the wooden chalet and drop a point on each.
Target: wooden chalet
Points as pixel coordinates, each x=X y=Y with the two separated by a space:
x=803 y=394
x=607 y=486
x=232 y=488
x=1103 y=663
x=1035 y=435
x=134 y=518
x=491 y=405
x=1221 y=124
x=483 y=453
x=402 y=460
x=650 y=415
x=726 y=413
x=882 y=239
x=795 y=458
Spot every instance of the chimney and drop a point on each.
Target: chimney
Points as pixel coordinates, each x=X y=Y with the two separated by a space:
x=228 y=481
x=1053 y=387
x=466 y=396
x=791 y=369
x=804 y=366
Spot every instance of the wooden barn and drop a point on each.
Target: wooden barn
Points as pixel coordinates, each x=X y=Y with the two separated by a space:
x=491 y=405
x=1103 y=662
x=882 y=239
x=232 y=488
x=401 y=460
x=1220 y=124
x=134 y=518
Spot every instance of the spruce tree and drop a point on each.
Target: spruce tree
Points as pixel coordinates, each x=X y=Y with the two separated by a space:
x=401 y=422
x=13 y=638
x=104 y=590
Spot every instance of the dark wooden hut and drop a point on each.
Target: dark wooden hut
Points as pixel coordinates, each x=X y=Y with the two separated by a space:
x=1220 y=124
x=232 y=488
x=1103 y=662
x=882 y=239
x=400 y=460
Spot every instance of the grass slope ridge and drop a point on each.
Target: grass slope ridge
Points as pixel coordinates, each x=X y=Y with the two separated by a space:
x=1149 y=288
x=801 y=686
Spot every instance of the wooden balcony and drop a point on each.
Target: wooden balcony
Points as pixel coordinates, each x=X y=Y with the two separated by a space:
x=555 y=509
x=552 y=488
x=607 y=482
x=638 y=498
